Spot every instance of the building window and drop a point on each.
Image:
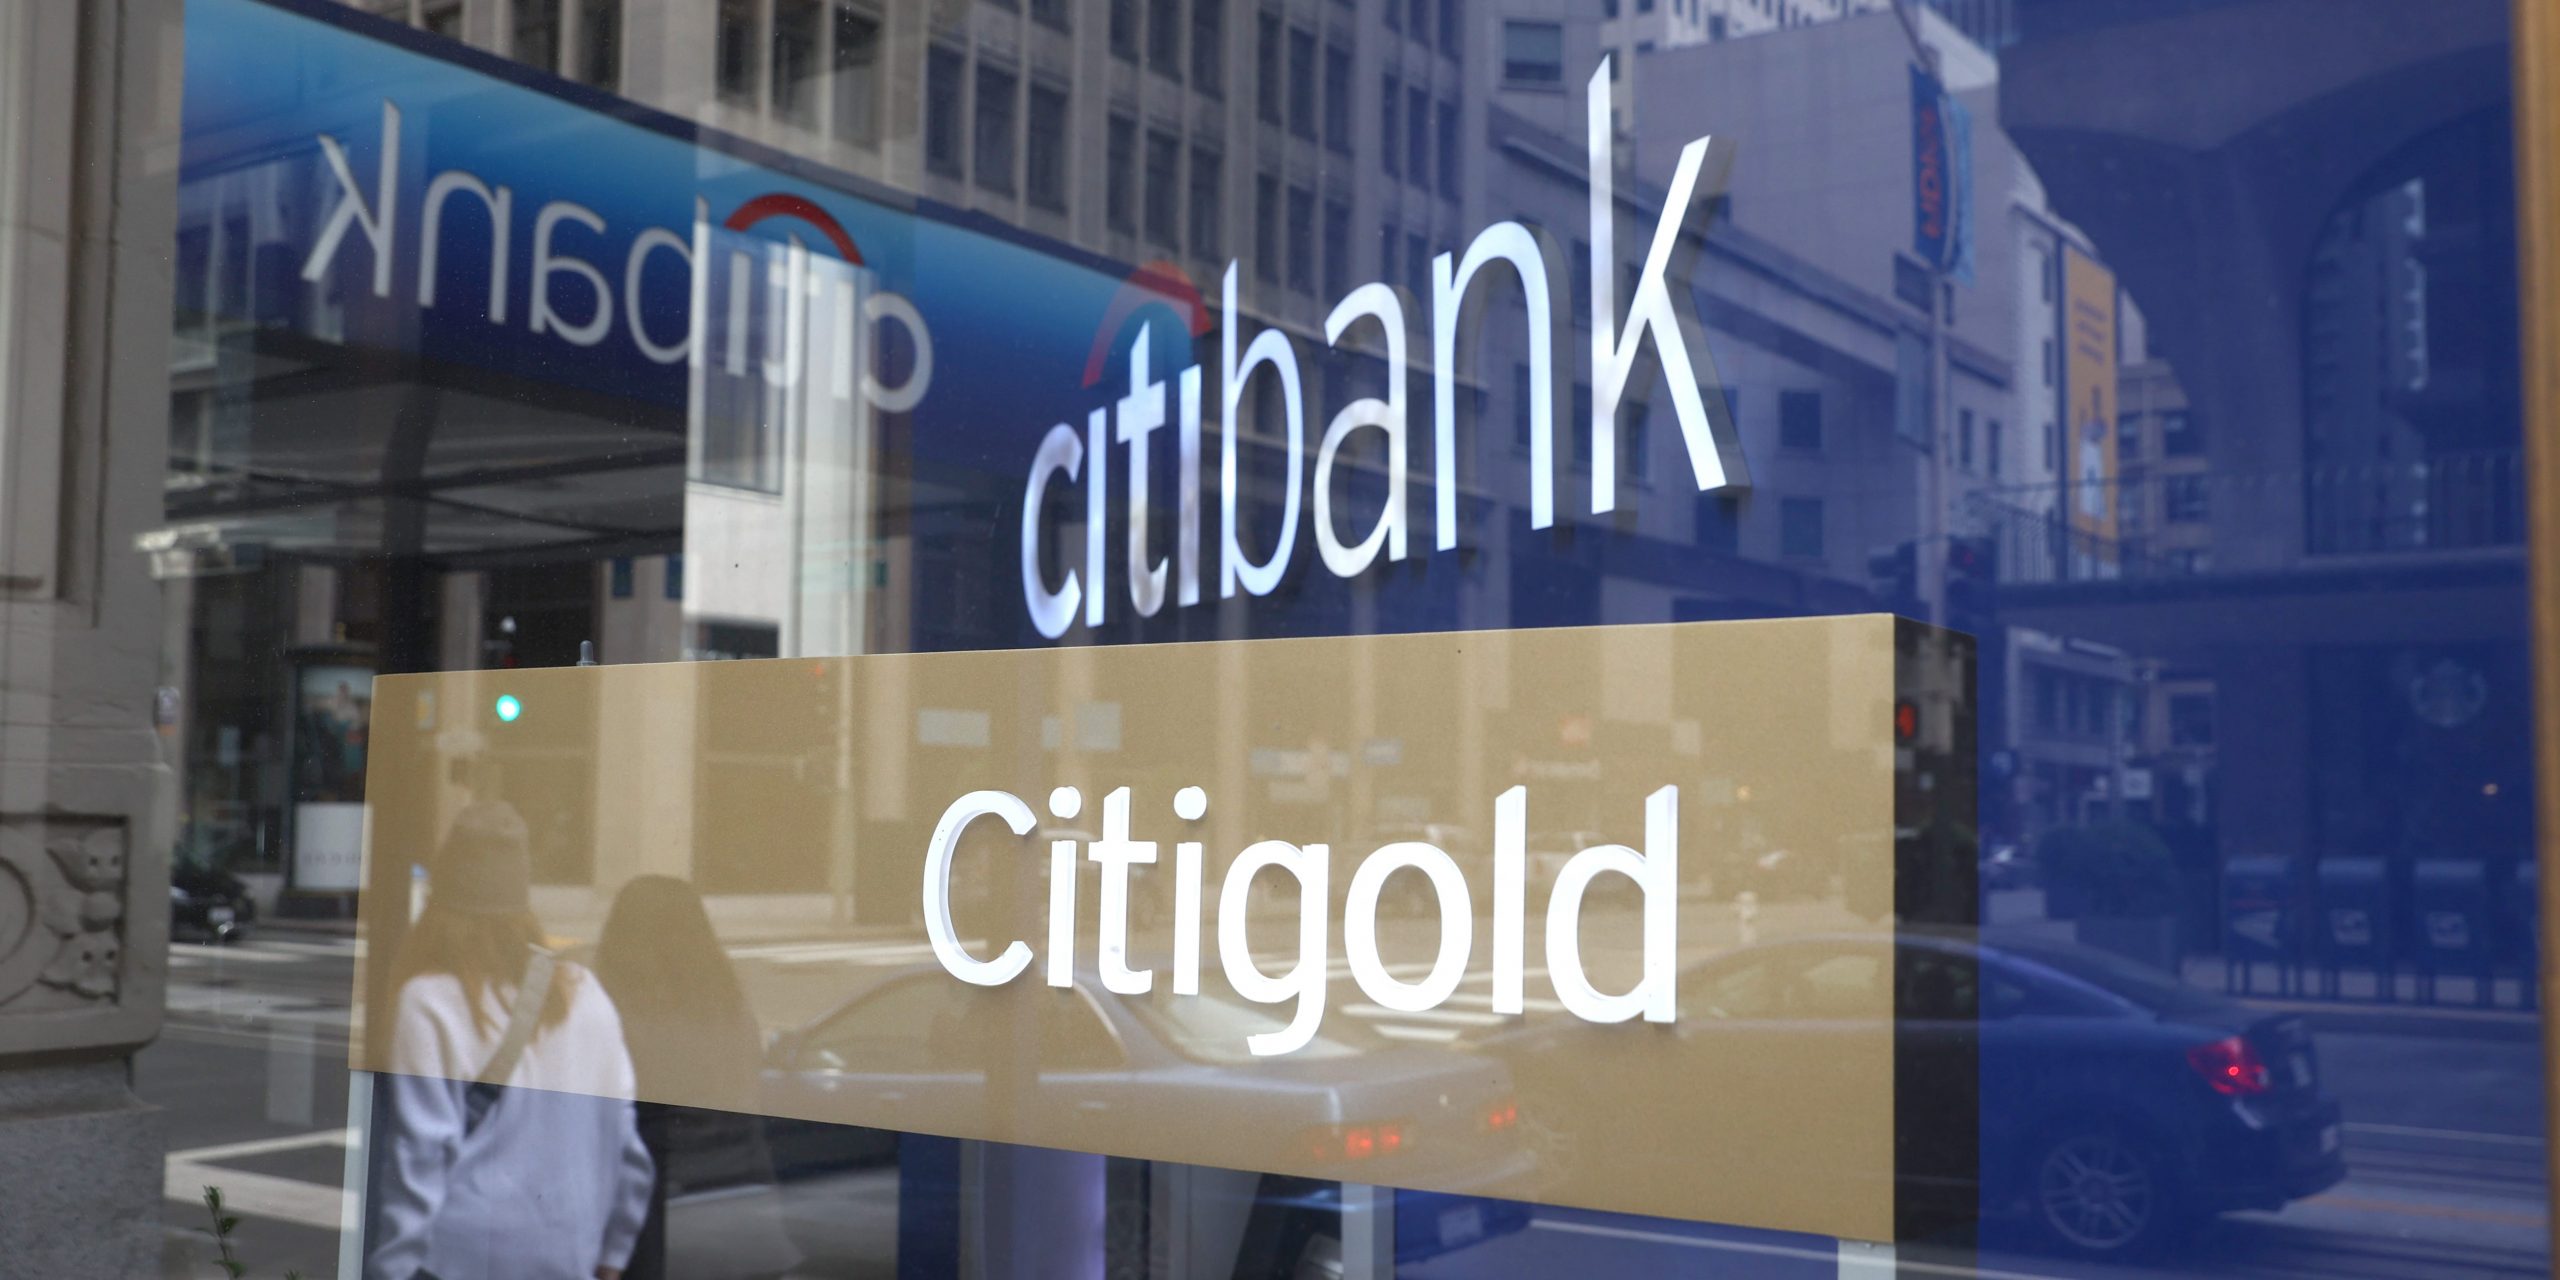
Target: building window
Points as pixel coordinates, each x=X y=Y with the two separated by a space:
x=857 y=78
x=1164 y=37
x=1635 y=442
x=1164 y=188
x=1053 y=14
x=1124 y=30
x=1302 y=240
x=795 y=61
x=2179 y=435
x=1532 y=52
x=1045 y=158
x=1266 y=68
x=2048 y=362
x=600 y=43
x=1209 y=46
x=737 y=52
x=1417 y=267
x=1800 y=419
x=2128 y=438
x=1991 y=446
x=1417 y=128
x=942 y=72
x=2052 y=446
x=1390 y=128
x=1449 y=29
x=673 y=587
x=618 y=578
x=1337 y=248
x=1800 y=528
x=1266 y=228
x=536 y=41
x=1523 y=404
x=443 y=19
x=2183 y=499
x=1418 y=23
x=1302 y=84
x=2191 y=719
x=1388 y=239
x=1581 y=281
x=1964 y=439
x=991 y=140
x=1449 y=149
x=1206 y=177
x=1120 y=174
x=1337 y=99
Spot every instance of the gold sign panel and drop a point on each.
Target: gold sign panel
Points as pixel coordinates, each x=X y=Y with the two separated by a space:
x=1597 y=917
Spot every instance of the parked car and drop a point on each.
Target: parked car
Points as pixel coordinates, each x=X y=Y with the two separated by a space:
x=208 y=903
x=2129 y=1106
x=1351 y=1106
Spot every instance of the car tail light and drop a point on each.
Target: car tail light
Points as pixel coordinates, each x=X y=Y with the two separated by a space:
x=1355 y=1141
x=1504 y=1116
x=2232 y=1066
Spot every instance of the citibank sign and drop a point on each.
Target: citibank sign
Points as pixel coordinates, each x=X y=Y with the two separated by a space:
x=1659 y=328
x=572 y=299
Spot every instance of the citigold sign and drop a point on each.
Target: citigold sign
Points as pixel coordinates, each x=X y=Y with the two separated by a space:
x=1598 y=917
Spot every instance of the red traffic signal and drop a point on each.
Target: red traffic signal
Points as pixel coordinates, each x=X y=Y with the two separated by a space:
x=1906 y=721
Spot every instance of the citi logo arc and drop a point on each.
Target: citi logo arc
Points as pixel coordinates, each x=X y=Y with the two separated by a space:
x=775 y=284
x=1659 y=329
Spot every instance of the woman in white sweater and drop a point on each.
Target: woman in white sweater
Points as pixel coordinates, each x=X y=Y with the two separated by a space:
x=507 y=1146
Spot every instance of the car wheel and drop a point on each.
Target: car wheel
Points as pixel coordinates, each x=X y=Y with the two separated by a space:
x=2104 y=1192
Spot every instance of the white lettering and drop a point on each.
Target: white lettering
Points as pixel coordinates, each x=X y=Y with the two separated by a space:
x=1269 y=347
x=1673 y=328
x=1381 y=303
x=546 y=263
x=378 y=222
x=1051 y=611
x=1656 y=872
x=1141 y=412
x=500 y=204
x=1305 y=980
x=937 y=889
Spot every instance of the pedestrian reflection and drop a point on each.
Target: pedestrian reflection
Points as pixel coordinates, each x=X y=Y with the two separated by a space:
x=507 y=1142
x=691 y=1035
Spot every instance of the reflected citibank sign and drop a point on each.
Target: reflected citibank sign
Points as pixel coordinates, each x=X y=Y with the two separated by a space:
x=1080 y=910
x=1659 y=331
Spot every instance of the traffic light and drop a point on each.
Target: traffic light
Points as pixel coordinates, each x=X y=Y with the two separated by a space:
x=1972 y=575
x=1893 y=574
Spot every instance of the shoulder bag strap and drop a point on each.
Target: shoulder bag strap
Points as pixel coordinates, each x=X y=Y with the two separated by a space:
x=531 y=991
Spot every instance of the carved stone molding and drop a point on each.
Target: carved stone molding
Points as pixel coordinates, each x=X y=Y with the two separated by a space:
x=62 y=896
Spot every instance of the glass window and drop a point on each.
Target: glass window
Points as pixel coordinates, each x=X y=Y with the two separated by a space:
x=1208 y=203
x=1390 y=132
x=795 y=60
x=1800 y=419
x=993 y=132
x=1164 y=37
x=1053 y=14
x=856 y=89
x=1533 y=52
x=1209 y=46
x=1164 y=189
x=1124 y=29
x=1302 y=83
x=1120 y=174
x=1800 y=531
x=1337 y=99
x=943 y=70
x=737 y=51
x=536 y=33
x=1266 y=228
x=1302 y=240
x=600 y=43
x=1045 y=155
x=1268 y=89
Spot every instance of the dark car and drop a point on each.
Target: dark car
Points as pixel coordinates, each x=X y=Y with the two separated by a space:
x=208 y=903
x=1352 y=1106
x=2114 y=1108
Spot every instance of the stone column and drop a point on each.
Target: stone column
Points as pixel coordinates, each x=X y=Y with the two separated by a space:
x=89 y=98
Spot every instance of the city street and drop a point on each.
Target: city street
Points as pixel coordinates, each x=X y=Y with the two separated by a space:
x=2443 y=1124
